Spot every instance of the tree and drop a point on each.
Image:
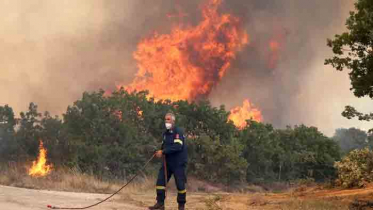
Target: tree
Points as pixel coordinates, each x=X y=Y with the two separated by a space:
x=7 y=125
x=28 y=134
x=55 y=138
x=350 y=139
x=211 y=142
x=354 y=50
x=108 y=133
x=307 y=153
x=112 y=136
x=113 y=133
x=261 y=151
x=7 y=119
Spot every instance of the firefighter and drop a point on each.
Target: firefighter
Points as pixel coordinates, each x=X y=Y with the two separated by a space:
x=174 y=150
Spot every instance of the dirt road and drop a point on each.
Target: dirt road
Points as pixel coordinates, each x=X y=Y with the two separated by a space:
x=12 y=198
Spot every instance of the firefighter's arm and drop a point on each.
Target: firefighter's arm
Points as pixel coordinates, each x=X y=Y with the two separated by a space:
x=177 y=145
x=159 y=153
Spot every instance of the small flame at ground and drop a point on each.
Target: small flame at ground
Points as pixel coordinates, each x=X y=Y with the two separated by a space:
x=39 y=167
x=239 y=115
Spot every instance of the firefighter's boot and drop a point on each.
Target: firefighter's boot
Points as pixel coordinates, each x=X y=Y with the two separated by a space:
x=181 y=207
x=157 y=206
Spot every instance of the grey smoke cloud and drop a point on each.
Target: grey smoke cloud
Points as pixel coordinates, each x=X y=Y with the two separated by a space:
x=300 y=89
x=52 y=51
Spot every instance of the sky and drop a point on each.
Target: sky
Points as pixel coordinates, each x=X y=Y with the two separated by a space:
x=52 y=51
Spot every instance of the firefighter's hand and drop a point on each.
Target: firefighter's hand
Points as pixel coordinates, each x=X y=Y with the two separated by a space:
x=158 y=153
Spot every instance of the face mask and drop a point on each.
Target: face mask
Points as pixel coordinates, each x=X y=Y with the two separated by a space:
x=168 y=125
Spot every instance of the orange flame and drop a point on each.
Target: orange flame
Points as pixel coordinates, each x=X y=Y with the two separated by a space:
x=39 y=167
x=187 y=63
x=276 y=46
x=139 y=112
x=118 y=114
x=239 y=115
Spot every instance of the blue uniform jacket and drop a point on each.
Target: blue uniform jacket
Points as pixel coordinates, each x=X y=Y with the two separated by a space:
x=174 y=147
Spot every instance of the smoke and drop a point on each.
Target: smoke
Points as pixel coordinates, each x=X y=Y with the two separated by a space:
x=52 y=51
x=299 y=89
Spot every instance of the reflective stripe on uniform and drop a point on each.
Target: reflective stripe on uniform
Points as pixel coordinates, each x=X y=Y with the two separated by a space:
x=160 y=187
x=182 y=191
x=178 y=141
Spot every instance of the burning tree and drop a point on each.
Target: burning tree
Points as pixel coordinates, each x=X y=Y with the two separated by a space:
x=239 y=115
x=187 y=63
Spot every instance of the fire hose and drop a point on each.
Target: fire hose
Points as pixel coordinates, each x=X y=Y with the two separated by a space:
x=128 y=182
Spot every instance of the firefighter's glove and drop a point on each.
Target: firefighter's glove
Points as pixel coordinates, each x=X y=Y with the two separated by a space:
x=159 y=153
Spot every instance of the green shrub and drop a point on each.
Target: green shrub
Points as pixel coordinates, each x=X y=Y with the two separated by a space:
x=355 y=169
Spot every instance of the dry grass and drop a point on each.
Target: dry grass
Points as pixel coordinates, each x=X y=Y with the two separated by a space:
x=71 y=180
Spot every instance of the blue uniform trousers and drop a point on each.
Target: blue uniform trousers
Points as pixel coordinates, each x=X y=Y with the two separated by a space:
x=180 y=180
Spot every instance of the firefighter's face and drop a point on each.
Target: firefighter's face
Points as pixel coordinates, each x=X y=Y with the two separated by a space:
x=168 y=119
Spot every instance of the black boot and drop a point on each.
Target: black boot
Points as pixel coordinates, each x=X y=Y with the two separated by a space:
x=157 y=206
x=181 y=207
